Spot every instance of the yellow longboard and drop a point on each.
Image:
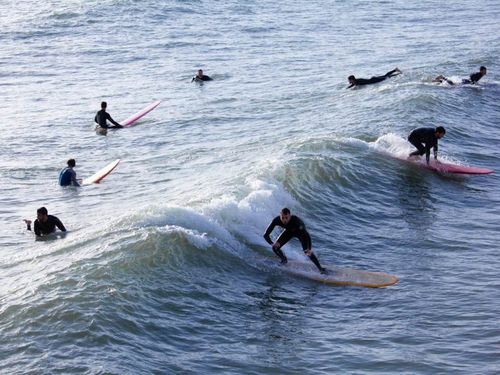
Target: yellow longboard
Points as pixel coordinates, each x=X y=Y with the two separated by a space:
x=340 y=276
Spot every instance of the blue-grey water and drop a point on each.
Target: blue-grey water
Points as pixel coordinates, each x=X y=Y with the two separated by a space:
x=164 y=269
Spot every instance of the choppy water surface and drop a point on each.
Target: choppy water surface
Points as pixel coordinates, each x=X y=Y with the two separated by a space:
x=164 y=269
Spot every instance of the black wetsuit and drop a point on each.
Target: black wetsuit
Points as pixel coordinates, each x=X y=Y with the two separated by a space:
x=48 y=227
x=376 y=79
x=474 y=78
x=424 y=139
x=197 y=78
x=101 y=118
x=294 y=228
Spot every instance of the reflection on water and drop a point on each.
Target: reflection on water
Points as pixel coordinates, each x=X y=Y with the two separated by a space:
x=416 y=200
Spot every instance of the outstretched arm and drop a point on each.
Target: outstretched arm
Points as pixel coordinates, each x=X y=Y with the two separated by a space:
x=113 y=121
x=28 y=224
x=74 y=181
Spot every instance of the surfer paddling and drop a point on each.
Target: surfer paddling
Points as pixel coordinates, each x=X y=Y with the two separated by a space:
x=67 y=177
x=424 y=139
x=473 y=78
x=102 y=117
x=353 y=81
x=294 y=227
x=199 y=77
x=45 y=224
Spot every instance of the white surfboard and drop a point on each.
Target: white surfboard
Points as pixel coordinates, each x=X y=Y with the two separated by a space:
x=101 y=173
x=340 y=276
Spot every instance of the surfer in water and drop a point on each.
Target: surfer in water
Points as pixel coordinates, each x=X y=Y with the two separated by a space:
x=294 y=227
x=101 y=119
x=424 y=139
x=67 y=177
x=45 y=224
x=199 y=77
x=473 y=78
x=353 y=81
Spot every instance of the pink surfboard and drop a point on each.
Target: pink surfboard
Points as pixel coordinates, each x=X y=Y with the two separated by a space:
x=450 y=168
x=100 y=174
x=132 y=119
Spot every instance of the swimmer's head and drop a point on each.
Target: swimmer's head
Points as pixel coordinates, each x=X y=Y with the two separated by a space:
x=42 y=214
x=285 y=216
x=440 y=132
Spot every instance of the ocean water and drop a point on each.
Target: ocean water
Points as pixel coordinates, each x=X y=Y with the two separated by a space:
x=164 y=269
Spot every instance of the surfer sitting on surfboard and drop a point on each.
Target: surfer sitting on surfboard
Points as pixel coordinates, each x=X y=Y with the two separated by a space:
x=45 y=224
x=67 y=176
x=294 y=227
x=363 y=81
x=102 y=116
x=201 y=77
x=424 y=139
x=474 y=78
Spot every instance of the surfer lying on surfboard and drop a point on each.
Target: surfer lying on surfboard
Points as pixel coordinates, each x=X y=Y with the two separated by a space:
x=294 y=227
x=45 y=224
x=353 y=81
x=102 y=116
x=424 y=139
x=474 y=78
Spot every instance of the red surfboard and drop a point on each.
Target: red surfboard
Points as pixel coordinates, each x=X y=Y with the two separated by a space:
x=438 y=166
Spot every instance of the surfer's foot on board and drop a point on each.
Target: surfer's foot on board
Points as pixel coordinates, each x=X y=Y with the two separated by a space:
x=284 y=260
x=323 y=271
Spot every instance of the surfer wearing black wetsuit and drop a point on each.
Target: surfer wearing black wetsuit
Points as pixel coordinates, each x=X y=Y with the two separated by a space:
x=199 y=77
x=67 y=176
x=102 y=116
x=363 y=81
x=473 y=78
x=424 y=139
x=294 y=227
x=45 y=224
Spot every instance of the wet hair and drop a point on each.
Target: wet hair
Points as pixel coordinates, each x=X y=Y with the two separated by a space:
x=42 y=210
x=482 y=68
x=71 y=163
x=104 y=105
x=440 y=129
x=285 y=211
x=350 y=77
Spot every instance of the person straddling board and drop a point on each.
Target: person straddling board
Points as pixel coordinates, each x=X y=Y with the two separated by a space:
x=102 y=116
x=294 y=227
x=67 y=177
x=45 y=224
x=353 y=81
x=200 y=77
x=424 y=139
x=473 y=78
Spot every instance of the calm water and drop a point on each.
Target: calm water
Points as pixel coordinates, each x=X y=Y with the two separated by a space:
x=164 y=269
